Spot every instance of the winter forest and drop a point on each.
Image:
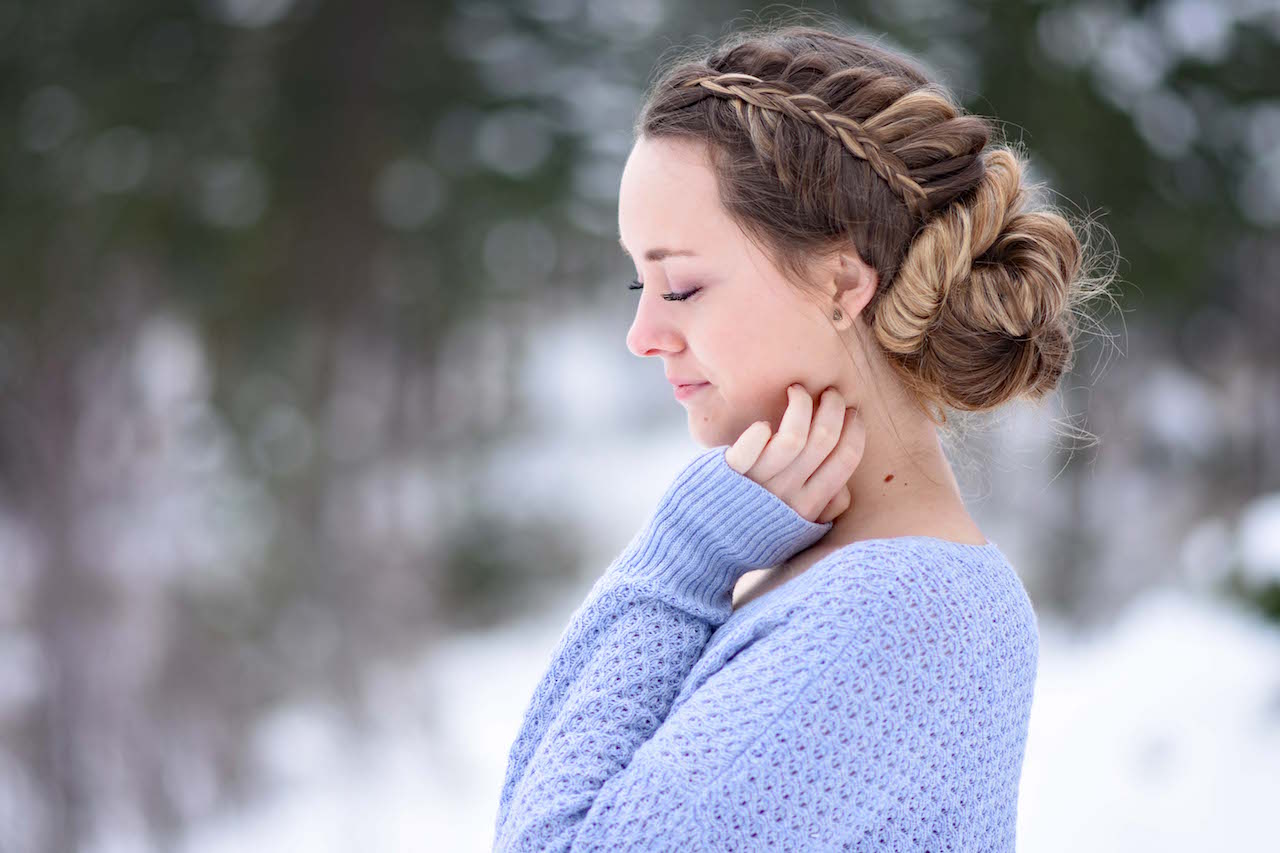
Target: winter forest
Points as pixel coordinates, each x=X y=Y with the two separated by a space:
x=317 y=421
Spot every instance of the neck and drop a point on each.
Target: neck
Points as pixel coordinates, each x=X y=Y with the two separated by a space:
x=903 y=485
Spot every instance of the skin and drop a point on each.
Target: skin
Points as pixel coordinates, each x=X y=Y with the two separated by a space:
x=750 y=335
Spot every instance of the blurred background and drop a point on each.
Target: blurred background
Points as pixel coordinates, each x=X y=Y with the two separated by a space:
x=317 y=419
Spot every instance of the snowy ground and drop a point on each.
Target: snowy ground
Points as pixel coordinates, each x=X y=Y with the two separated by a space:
x=1160 y=733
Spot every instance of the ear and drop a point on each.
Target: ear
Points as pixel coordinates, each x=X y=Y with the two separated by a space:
x=853 y=284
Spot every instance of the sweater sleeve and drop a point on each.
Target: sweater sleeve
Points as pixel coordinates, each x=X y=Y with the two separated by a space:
x=629 y=646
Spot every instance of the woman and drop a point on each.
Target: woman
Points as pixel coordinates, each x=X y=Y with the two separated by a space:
x=810 y=644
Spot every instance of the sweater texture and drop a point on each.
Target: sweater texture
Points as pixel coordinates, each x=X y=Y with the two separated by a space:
x=880 y=700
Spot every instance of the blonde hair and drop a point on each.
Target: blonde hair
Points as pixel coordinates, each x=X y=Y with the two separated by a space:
x=820 y=138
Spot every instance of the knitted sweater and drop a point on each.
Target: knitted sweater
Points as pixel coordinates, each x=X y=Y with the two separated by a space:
x=878 y=701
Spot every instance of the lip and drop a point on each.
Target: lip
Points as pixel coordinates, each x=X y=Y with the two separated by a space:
x=684 y=392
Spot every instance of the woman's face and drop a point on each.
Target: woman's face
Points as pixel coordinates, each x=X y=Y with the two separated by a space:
x=745 y=331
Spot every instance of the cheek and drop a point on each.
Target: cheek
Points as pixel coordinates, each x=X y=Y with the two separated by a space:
x=751 y=357
x=754 y=392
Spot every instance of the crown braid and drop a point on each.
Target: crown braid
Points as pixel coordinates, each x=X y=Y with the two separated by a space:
x=767 y=101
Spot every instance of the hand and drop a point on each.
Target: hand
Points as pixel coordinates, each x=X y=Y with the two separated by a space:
x=807 y=466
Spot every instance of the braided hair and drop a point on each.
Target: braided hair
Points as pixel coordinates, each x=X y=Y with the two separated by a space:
x=773 y=101
x=822 y=141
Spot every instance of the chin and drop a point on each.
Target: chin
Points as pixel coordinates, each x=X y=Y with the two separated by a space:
x=708 y=431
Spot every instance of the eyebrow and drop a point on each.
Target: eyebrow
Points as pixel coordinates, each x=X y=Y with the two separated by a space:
x=660 y=253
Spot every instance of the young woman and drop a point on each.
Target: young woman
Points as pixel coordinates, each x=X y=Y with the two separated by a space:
x=810 y=645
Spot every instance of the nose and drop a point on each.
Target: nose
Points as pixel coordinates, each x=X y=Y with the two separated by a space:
x=652 y=331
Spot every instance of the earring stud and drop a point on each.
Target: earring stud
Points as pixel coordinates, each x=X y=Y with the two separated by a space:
x=837 y=315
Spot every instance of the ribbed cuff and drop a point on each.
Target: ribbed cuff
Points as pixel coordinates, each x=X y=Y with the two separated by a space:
x=712 y=526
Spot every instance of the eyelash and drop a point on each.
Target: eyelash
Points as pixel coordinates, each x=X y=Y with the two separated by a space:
x=670 y=297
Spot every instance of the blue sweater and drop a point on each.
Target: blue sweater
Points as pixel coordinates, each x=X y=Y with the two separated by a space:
x=877 y=701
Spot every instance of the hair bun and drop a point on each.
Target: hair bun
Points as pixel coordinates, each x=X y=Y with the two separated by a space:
x=980 y=311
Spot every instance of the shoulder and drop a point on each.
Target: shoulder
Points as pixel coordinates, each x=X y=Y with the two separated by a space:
x=941 y=596
x=926 y=567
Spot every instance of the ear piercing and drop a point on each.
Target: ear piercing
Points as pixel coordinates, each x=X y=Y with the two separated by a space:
x=837 y=315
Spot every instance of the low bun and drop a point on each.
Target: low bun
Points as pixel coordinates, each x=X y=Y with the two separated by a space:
x=981 y=310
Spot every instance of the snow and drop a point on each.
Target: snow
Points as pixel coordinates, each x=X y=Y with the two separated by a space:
x=1160 y=732
x=1259 y=534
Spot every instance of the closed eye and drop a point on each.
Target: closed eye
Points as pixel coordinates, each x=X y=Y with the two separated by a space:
x=670 y=297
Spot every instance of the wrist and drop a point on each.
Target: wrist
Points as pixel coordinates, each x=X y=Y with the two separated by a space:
x=712 y=526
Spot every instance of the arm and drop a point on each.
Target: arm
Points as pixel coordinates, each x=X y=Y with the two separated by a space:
x=886 y=710
x=627 y=649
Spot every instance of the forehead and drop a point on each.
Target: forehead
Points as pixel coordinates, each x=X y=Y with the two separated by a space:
x=668 y=190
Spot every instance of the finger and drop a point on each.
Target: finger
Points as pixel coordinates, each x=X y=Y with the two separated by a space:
x=746 y=450
x=824 y=432
x=790 y=439
x=835 y=471
x=837 y=507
